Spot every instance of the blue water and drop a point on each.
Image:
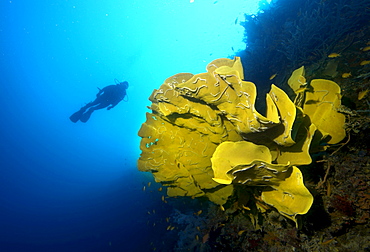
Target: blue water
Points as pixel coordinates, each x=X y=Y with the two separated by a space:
x=75 y=187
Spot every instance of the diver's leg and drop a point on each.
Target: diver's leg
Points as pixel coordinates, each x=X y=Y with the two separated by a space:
x=95 y=105
x=77 y=115
x=86 y=116
x=90 y=104
x=100 y=105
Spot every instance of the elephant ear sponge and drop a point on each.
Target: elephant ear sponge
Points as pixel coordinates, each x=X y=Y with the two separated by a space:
x=290 y=197
x=204 y=135
x=182 y=132
x=229 y=155
x=250 y=164
x=322 y=105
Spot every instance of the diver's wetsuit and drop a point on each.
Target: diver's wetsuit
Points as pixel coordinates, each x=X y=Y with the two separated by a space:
x=107 y=97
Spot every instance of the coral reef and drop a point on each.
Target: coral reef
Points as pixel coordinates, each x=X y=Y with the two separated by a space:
x=288 y=34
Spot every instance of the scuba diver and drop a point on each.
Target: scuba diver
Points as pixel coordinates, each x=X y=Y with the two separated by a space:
x=107 y=97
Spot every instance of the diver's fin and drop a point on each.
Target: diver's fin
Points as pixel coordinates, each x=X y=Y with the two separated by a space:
x=86 y=116
x=76 y=116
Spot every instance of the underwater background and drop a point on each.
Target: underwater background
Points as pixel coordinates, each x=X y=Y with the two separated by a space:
x=76 y=186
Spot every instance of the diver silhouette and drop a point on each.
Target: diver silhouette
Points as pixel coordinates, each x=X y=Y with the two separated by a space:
x=107 y=97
